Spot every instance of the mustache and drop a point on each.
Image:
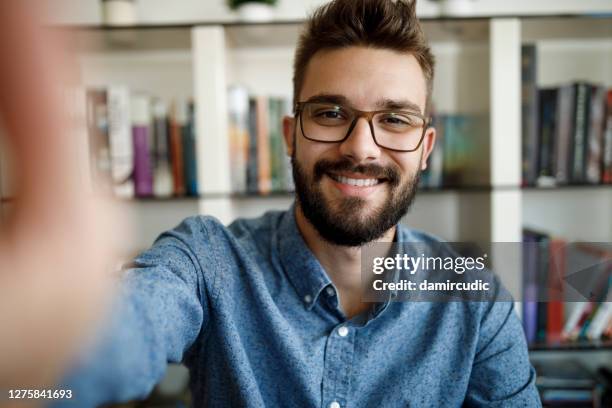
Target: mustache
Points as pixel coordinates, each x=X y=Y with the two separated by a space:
x=390 y=173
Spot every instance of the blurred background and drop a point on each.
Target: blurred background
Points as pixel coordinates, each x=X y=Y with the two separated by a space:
x=179 y=108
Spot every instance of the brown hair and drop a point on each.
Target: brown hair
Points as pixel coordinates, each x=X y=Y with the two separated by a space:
x=387 y=24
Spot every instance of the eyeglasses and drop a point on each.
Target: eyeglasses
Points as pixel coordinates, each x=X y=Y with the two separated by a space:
x=397 y=130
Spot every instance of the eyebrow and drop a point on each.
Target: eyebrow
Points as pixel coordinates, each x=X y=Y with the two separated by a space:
x=385 y=103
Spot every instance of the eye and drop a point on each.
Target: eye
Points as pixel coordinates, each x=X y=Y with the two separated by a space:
x=329 y=116
x=397 y=120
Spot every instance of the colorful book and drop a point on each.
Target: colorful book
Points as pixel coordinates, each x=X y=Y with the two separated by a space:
x=530 y=288
x=238 y=128
x=276 y=143
x=263 y=146
x=141 y=122
x=576 y=319
x=189 y=152
x=555 y=304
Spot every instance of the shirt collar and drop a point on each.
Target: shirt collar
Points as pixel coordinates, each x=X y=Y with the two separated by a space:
x=304 y=270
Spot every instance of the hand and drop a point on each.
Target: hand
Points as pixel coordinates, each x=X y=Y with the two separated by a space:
x=55 y=243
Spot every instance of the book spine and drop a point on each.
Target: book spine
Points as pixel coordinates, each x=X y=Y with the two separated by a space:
x=121 y=145
x=529 y=96
x=606 y=169
x=286 y=159
x=555 y=306
x=275 y=144
x=578 y=163
x=542 y=286
x=263 y=146
x=97 y=125
x=189 y=152
x=601 y=318
x=575 y=320
x=565 y=126
x=530 y=304
x=162 y=172
x=141 y=121
x=238 y=109
x=547 y=122
x=251 y=176
x=595 y=136
x=176 y=149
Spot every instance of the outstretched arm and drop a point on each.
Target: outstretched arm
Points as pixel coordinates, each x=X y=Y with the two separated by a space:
x=56 y=243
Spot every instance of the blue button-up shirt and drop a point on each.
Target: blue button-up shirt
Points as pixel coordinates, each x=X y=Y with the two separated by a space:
x=254 y=316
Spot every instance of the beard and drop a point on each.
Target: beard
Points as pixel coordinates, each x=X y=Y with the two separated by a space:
x=342 y=223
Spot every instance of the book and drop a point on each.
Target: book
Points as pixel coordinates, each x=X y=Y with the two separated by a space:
x=276 y=144
x=555 y=304
x=99 y=145
x=238 y=128
x=141 y=122
x=530 y=289
x=564 y=130
x=263 y=146
x=252 y=172
x=575 y=320
x=581 y=127
x=606 y=170
x=177 y=120
x=120 y=138
x=547 y=110
x=286 y=110
x=162 y=170
x=189 y=151
x=595 y=137
x=529 y=109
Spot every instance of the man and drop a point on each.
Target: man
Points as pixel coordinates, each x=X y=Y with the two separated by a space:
x=269 y=311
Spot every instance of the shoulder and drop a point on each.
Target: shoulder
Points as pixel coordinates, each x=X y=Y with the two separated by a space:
x=204 y=231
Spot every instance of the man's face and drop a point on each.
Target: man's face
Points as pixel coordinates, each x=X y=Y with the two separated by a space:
x=354 y=191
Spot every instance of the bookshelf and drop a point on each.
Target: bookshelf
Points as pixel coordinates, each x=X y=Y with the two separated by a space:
x=478 y=72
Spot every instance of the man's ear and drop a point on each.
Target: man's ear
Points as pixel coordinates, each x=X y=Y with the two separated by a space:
x=289 y=133
x=429 y=140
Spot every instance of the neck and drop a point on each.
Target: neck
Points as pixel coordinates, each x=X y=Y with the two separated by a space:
x=342 y=263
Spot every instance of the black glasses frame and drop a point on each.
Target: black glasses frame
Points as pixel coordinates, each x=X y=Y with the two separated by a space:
x=368 y=115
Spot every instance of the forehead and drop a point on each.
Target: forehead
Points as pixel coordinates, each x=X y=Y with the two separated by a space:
x=365 y=76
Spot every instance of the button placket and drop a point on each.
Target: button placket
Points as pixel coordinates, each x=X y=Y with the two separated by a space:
x=339 y=352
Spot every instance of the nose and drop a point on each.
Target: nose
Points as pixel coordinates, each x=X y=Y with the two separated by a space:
x=359 y=145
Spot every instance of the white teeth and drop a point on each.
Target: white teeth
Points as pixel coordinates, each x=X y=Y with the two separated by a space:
x=356 y=182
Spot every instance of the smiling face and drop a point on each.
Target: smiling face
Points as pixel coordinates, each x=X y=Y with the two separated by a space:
x=354 y=191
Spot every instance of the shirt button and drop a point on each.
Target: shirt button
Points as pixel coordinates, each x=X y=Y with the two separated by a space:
x=307 y=298
x=334 y=404
x=330 y=291
x=342 y=332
